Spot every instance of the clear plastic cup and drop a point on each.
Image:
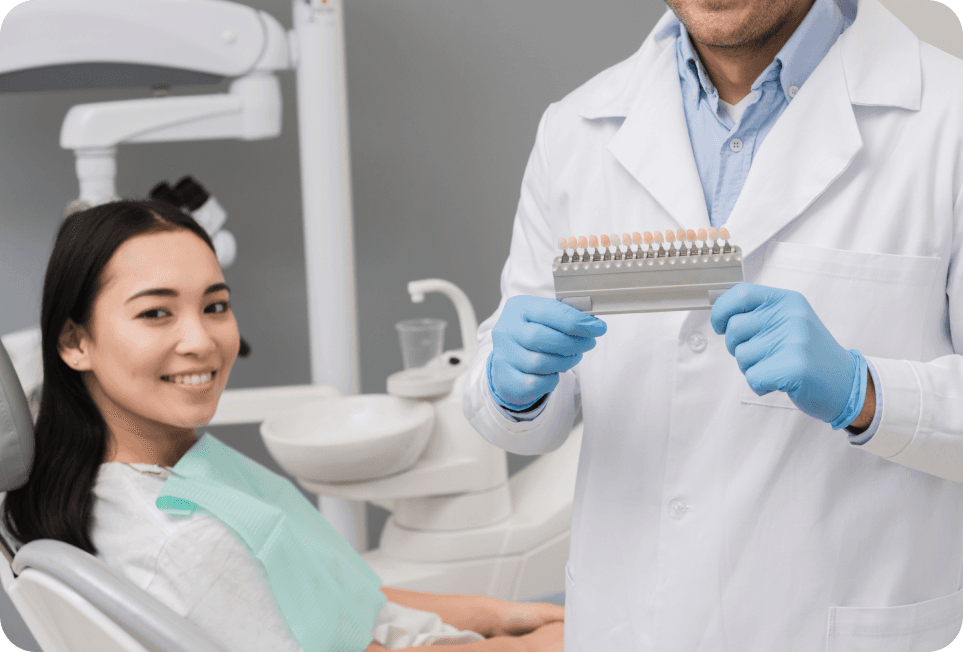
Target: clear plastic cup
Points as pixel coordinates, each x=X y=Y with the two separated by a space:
x=421 y=340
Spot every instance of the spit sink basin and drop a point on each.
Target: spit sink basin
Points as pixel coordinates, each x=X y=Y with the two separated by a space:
x=350 y=438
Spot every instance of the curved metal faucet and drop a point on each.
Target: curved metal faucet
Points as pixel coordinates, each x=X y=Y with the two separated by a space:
x=466 y=314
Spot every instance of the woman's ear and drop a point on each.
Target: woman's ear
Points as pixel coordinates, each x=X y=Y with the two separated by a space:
x=73 y=346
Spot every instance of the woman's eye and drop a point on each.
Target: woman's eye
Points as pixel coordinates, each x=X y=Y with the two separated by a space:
x=152 y=314
x=223 y=307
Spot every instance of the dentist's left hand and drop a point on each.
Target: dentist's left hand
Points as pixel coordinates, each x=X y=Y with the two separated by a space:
x=780 y=344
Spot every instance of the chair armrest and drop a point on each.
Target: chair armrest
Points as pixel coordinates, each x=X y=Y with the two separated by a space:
x=146 y=619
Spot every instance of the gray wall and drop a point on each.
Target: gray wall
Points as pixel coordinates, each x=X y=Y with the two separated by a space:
x=444 y=99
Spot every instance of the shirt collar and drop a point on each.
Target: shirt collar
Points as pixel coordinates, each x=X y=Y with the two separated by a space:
x=794 y=62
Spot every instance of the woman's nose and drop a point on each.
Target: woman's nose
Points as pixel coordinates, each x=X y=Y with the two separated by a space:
x=195 y=337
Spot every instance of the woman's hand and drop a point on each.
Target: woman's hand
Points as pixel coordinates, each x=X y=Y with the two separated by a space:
x=547 y=638
x=517 y=618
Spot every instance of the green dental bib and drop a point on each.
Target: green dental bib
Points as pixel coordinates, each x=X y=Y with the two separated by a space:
x=327 y=594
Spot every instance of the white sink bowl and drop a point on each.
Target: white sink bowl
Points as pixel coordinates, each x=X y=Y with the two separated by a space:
x=350 y=438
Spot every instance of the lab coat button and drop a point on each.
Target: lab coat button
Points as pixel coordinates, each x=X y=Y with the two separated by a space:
x=677 y=509
x=735 y=145
x=792 y=91
x=696 y=341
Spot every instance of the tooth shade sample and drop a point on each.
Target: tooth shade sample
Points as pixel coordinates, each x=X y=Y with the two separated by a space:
x=593 y=241
x=690 y=235
x=680 y=234
x=562 y=243
x=616 y=240
x=702 y=234
x=648 y=238
x=605 y=241
x=636 y=238
x=583 y=242
x=723 y=233
x=658 y=237
x=713 y=233
x=627 y=239
x=572 y=242
x=669 y=236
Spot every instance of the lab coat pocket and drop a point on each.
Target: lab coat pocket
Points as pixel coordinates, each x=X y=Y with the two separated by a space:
x=875 y=303
x=929 y=625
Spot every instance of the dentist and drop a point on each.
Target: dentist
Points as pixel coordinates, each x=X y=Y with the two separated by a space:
x=718 y=506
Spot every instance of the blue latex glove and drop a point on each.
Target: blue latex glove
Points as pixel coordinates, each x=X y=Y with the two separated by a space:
x=780 y=344
x=536 y=339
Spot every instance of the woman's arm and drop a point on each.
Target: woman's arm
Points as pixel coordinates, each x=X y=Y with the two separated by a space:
x=497 y=644
x=476 y=613
x=547 y=638
x=484 y=614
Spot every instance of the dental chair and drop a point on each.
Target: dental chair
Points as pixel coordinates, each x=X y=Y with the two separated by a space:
x=70 y=600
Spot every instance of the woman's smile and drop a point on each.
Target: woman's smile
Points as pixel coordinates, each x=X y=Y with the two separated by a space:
x=192 y=381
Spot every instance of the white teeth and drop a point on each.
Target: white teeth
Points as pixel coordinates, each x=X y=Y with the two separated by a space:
x=190 y=380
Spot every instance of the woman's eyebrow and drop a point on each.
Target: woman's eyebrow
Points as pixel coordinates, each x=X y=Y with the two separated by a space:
x=167 y=292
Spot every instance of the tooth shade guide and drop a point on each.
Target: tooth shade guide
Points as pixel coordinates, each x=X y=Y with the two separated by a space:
x=724 y=234
x=690 y=235
x=714 y=236
x=563 y=245
x=573 y=245
x=665 y=283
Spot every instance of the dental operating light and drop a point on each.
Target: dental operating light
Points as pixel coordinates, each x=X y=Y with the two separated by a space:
x=66 y=44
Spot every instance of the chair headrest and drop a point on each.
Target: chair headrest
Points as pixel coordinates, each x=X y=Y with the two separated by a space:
x=16 y=428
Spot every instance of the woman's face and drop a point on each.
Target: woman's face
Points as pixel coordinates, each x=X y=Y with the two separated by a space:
x=160 y=343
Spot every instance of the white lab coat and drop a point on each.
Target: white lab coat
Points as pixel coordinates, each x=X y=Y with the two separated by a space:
x=707 y=518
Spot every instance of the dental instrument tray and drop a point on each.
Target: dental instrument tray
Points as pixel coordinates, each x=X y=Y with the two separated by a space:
x=646 y=280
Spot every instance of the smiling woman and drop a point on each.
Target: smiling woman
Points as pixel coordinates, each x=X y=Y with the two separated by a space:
x=159 y=346
x=138 y=341
x=104 y=353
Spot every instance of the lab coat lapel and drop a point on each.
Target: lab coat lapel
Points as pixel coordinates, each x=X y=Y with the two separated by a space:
x=654 y=147
x=875 y=62
x=811 y=144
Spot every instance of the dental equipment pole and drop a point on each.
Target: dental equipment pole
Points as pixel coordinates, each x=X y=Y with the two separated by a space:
x=318 y=51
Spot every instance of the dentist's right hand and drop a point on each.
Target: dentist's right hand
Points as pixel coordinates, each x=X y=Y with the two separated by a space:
x=536 y=339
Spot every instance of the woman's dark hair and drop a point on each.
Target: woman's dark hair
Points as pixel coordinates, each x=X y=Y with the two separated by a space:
x=71 y=436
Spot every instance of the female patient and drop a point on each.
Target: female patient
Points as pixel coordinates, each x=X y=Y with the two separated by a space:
x=138 y=343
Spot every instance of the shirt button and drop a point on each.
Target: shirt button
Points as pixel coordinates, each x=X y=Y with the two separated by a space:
x=696 y=341
x=677 y=509
x=793 y=90
x=735 y=145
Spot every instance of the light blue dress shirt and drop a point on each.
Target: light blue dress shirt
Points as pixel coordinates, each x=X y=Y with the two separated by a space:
x=723 y=148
